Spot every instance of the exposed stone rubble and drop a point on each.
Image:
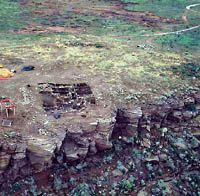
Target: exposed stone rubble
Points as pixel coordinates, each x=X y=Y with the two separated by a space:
x=172 y=113
x=92 y=132
x=66 y=96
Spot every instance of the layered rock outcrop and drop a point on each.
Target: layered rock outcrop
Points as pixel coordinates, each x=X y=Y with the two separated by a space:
x=90 y=130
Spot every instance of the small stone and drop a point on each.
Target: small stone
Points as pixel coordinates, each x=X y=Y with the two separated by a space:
x=117 y=172
x=65 y=186
x=131 y=164
x=176 y=129
x=4 y=161
x=194 y=143
x=164 y=130
x=83 y=114
x=146 y=143
x=152 y=158
x=162 y=157
x=180 y=144
x=197 y=134
x=59 y=159
x=189 y=100
x=148 y=127
x=198 y=107
x=92 y=148
x=142 y=193
x=177 y=115
x=197 y=97
x=157 y=126
x=46 y=122
x=187 y=115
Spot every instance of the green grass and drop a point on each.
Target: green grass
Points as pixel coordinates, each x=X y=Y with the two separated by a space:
x=197 y=8
x=98 y=25
x=187 y=40
x=116 y=27
x=164 y=8
x=12 y=41
x=10 y=16
x=187 y=70
x=194 y=18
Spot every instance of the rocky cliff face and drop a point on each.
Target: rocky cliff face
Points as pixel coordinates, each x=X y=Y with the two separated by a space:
x=91 y=131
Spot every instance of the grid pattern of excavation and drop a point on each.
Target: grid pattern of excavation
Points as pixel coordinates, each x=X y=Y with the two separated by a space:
x=66 y=97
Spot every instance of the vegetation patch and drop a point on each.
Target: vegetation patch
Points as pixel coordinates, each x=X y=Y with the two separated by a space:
x=187 y=70
x=11 y=16
x=186 y=40
x=194 y=18
x=164 y=8
x=116 y=27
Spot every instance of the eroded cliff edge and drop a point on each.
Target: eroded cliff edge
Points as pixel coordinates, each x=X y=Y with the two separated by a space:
x=90 y=129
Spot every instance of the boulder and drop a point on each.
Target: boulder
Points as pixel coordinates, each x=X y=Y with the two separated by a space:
x=40 y=151
x=117 y=172
x=197 y=97
x=75 y=146
x=177 y=115
x=180 y=143
x=89 y=134
x=189 y=100
x=187 y=115
x=4 y=162
x=127 y=120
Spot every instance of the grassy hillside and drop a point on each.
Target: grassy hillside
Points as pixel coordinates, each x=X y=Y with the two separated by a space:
x=11 y=16
x=104 y=40
x=164 y=8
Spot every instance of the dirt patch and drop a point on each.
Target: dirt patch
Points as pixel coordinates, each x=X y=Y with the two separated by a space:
x=34 y=29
